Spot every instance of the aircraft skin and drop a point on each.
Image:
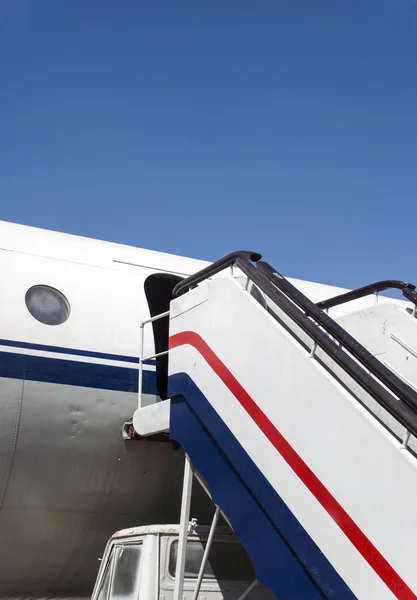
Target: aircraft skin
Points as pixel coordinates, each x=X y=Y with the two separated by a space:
x=67 y=478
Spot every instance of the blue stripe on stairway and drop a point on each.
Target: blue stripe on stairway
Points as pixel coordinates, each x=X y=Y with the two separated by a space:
x=285 y=558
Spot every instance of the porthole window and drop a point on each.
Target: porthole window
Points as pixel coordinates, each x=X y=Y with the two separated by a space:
x=47 y=305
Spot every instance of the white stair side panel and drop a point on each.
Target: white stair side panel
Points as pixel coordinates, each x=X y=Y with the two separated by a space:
x=356 y=459
x=311 y=515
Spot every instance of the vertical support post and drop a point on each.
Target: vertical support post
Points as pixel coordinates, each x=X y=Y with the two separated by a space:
x=141 y=354
x=185 y=518
x=405 y=440
x=206 y=553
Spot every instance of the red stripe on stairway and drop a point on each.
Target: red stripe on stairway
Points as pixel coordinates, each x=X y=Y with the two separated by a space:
x=362 y=544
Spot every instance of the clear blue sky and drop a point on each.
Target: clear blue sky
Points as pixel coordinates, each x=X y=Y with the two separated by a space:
x=199 y=127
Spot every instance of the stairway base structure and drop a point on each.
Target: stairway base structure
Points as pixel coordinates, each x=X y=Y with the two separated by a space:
x=185 y=525
x=304 y=438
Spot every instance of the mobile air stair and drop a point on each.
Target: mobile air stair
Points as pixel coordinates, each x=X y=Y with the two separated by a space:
x=304 y=435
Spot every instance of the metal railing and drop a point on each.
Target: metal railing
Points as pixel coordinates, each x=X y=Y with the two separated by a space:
x=407 y=289
x=363 y=356
x=388 y=390
x=143 y=359
x=225 y=262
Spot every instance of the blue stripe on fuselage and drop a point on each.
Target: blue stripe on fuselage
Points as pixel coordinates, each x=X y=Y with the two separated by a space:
x=71 y=372
x=73 y=351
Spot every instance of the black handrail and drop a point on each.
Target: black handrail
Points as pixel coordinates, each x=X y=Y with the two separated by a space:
x=287 y=297
x=375 y=366
x=405 y=413
x=379 y=286
x=220 y=265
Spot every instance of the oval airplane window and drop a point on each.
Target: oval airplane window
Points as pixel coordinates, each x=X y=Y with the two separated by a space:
x=47 y=305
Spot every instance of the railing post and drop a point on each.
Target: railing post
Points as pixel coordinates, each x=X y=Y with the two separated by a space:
x=405 y=440
x=206 y=553
x=141 y=352
x=184 y=522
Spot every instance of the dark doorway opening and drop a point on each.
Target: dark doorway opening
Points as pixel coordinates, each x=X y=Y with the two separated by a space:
x=158 y=291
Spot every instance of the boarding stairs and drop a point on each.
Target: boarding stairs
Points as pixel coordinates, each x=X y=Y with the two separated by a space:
x=301 y=423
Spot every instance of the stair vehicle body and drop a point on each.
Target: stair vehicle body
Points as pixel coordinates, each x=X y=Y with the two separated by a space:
x=141 y=563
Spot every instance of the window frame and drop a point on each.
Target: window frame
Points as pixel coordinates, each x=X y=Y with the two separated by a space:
x=109 y=557
x=108 y=567
x=58 y=294
x=207 y=584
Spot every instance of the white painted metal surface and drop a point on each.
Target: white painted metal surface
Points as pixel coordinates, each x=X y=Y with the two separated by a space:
x=360 y=463
x=66 y=476
x=389 y=332
x=152 y=419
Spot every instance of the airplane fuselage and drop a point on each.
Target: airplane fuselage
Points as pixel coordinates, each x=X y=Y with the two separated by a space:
x=67 y=478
